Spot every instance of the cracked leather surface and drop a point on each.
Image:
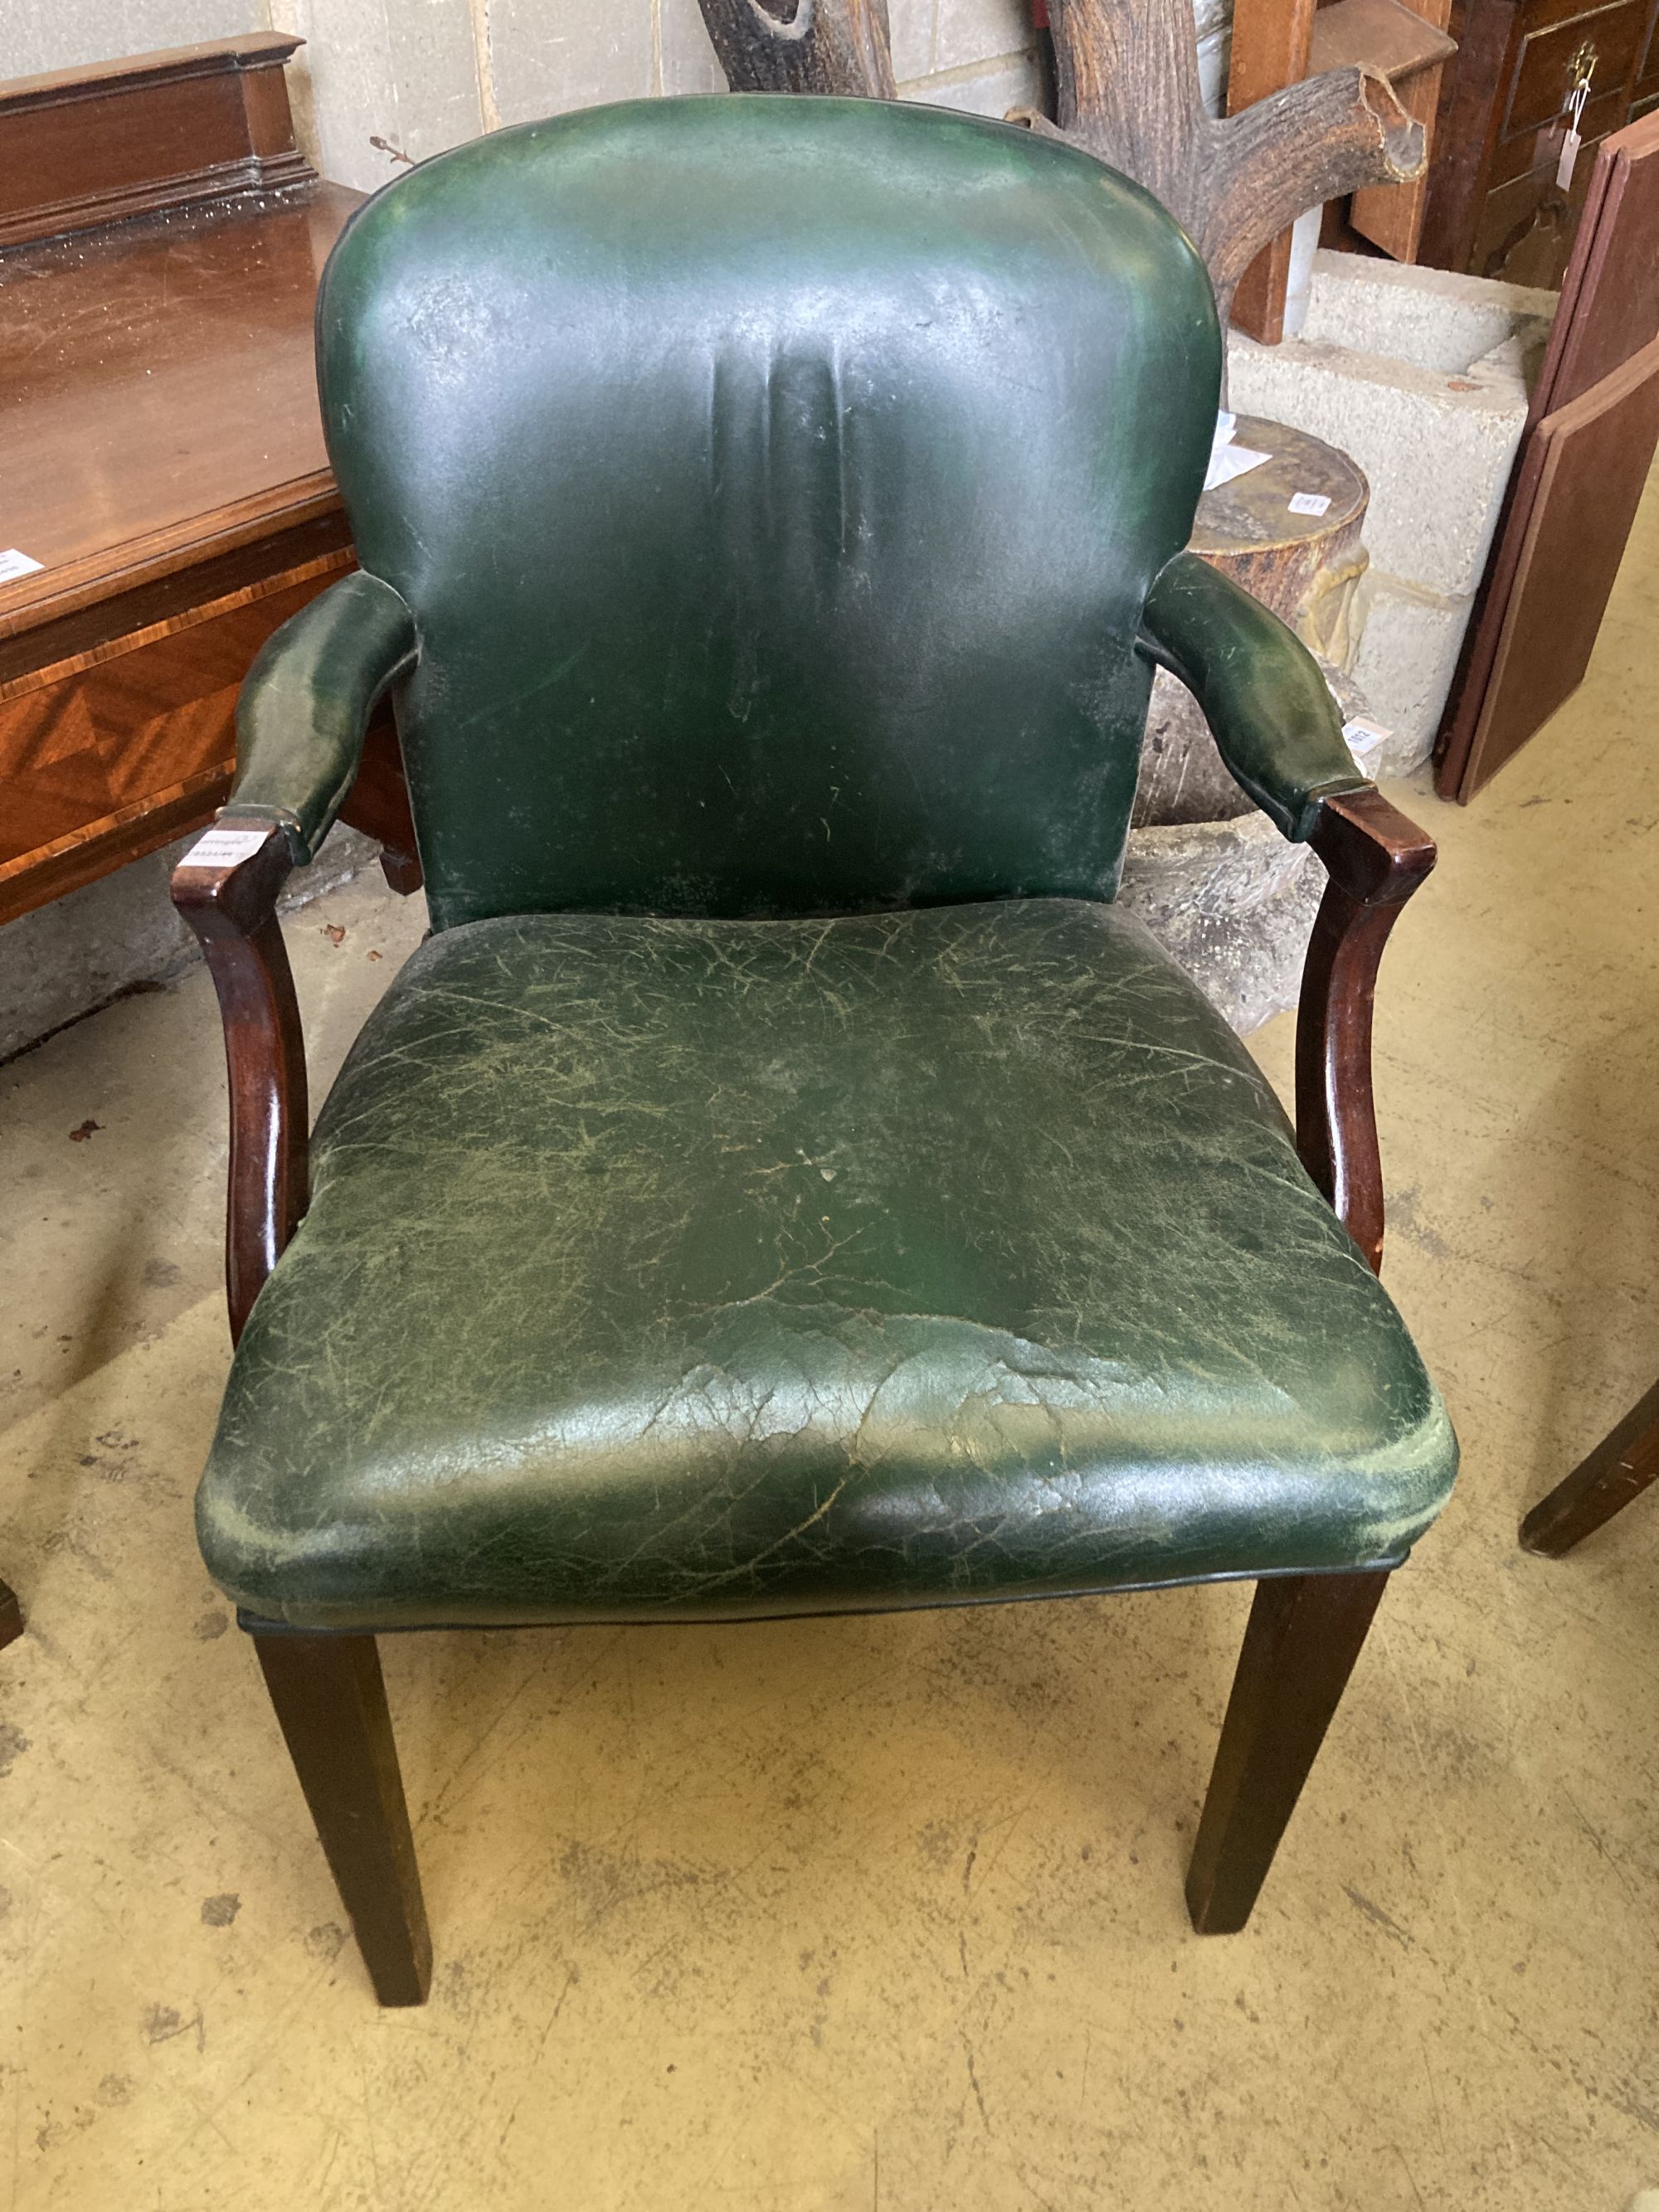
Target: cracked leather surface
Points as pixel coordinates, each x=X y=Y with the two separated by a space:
x=776 y=485
x=709 y=1267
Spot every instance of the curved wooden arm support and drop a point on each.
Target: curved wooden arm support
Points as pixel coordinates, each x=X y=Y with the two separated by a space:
x=1375 y=859
x=233 y=911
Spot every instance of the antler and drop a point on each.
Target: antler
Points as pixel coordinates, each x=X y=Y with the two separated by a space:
x=1128 y=93
x=826 y=46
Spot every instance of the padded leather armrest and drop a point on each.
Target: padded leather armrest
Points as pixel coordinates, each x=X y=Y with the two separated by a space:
x=306 y=703
x=1268 y=707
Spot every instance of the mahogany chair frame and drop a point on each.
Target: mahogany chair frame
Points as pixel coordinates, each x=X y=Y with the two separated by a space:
x=1621 y=1466
x=1305 y=1631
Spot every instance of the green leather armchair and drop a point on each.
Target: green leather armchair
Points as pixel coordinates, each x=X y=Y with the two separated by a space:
x=784 y=1181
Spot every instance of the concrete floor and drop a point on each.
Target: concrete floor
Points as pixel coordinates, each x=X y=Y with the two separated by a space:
x=878 y=1913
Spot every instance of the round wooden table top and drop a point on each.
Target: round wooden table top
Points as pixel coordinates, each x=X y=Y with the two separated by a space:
x=1254 y=511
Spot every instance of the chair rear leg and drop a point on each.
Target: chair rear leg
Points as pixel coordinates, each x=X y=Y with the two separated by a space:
x=1305 y=1635
x=330 y=1701
x=1621 y=1467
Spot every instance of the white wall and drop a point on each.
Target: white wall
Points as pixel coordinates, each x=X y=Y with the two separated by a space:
x=36 y=35
x=422 y=74
x=419 y=75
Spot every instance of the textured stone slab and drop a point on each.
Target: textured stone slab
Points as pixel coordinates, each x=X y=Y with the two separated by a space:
x=1437 y=449
x=1409 y=641
x=1431 y=318
x=1233 y=901
x=1423 y=377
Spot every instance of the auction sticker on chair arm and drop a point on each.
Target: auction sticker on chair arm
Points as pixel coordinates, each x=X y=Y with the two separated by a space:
x=224 y=849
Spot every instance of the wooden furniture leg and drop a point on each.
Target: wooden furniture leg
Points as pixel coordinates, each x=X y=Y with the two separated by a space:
x=1305 y=1635
x=1306 y=1630
x=1621 y=1467
x=330 y=1701
x=11 y=1616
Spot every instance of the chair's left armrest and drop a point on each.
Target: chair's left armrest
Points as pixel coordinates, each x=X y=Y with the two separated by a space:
x=1269 y=709
x=1278 y=731
x=306 y=702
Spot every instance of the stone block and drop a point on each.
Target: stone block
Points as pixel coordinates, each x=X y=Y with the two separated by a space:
x=1432 y=318
x=1437 y=449
x=1407 y=656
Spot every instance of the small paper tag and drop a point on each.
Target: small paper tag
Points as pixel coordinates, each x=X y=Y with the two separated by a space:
x=13 y=564
x=224 y=849
x=1310 y=502
x=1568 y=162
x=1224 y=420
x=1229 y=461
x=1363 y=739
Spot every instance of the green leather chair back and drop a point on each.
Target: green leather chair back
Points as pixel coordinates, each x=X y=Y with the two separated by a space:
x=776 y=485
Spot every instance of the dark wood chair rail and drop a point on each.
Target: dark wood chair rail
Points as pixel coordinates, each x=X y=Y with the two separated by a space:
x=1375 y=859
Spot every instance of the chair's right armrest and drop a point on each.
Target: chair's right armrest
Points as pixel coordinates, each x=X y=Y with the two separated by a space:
x=305 y=706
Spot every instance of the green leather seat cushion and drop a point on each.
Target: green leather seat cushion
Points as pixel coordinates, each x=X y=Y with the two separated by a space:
x=699 y=1268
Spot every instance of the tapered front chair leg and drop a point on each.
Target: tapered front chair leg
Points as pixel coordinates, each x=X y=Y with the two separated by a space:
x=1305 y=1635
x=330 y=1701
x=1621 y=1467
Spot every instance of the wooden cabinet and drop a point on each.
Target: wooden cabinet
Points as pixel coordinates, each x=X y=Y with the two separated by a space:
x=1591 y=432
x=165 y=479
x=1494 y=206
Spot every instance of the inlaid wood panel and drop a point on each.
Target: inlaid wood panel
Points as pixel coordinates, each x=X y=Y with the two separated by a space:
x=92 y=747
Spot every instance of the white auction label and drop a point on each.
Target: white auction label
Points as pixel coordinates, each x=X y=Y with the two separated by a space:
x=1227 y=462
x=13 y=564
x=1310 y=502
x=224 y=849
